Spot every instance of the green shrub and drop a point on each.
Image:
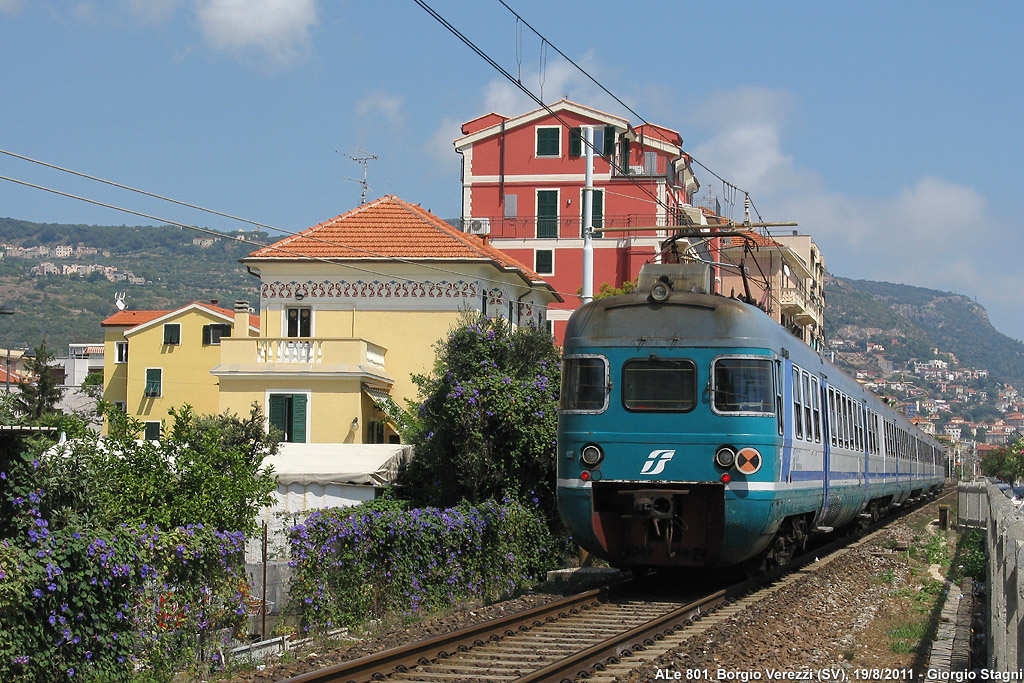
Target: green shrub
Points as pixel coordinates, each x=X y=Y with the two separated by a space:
x=369 y=561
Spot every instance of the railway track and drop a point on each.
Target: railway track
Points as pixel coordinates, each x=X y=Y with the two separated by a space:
x=592 y=634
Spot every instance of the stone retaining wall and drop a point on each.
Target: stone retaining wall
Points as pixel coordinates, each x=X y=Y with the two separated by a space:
x=983 y=506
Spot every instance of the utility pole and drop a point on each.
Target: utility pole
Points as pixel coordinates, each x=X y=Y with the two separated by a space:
x=588 y=219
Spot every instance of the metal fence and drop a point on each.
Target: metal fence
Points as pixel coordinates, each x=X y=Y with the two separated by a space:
x=983 y=506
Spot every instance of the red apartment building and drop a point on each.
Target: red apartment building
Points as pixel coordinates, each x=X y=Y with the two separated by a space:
x=522 y=185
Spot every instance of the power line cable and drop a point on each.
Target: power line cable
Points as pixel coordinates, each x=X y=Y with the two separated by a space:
x=583 y=71
x=282 y=250
x=516 y=82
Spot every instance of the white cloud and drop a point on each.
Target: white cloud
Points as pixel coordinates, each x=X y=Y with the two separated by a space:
x=381 y=105
x=276 y=31
x=934 y=232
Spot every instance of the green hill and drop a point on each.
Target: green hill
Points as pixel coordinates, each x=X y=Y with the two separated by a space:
x=921 y=319
x=67 y=309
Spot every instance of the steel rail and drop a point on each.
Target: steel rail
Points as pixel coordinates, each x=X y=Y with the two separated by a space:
x=379 y=665
x=388 y=661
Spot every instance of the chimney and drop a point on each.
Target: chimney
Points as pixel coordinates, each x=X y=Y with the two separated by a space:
x=241 y=319
x=213 y=302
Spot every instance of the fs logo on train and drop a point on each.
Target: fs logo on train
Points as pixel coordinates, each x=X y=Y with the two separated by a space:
x=656 y=461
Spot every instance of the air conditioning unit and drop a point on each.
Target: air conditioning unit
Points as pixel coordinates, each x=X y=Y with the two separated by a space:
x=636 y=170
x=479 y=226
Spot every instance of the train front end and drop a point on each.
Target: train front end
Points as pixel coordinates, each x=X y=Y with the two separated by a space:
x=668 y=434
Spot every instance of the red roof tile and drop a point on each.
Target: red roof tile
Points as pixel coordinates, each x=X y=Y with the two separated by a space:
x=386 y=229
x=134 y=318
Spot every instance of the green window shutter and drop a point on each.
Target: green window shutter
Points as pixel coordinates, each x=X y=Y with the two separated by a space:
x=207 y=334
x=152 y=431
x=154 y=377
x=548 y=142
x=544 y=261
x=575 y=142
x=609 y=141
x=277 y=413
x=172 y=333
x=298 y=418
x=596 y=211
x=547 y=213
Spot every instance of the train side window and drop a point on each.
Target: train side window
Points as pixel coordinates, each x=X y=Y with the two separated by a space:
x=832 y=423
x=798 y=411
x=659 y=384
x=808 y=418
x=780 y=415
x=816 y=408
x=860 y=428
x=743 y=385
x=584 y=384
x=847 y=440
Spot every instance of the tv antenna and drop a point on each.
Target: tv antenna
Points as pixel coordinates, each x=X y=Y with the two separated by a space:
x=364 y=160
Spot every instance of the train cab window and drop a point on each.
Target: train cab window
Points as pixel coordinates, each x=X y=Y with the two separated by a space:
x=584 y=384
x=743 y=385
x=659 y=384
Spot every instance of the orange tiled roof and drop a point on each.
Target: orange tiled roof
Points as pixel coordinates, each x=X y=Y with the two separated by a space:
x=390 y=228
x=134 y=318
x=759 y=240
x=14 y=378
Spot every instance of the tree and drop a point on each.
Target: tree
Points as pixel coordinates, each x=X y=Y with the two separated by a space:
x=205 y=470
x=1006 y=463
x=40 y=397
x=488 y=421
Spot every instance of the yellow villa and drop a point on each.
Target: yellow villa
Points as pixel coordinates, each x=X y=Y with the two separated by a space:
x=350 y=311
x=158 y=360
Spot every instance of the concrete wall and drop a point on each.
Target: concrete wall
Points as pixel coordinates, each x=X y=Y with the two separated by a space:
x=983 y=506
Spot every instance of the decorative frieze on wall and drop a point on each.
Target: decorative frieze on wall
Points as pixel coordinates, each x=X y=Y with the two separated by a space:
x=402 y=295
x=370 y=290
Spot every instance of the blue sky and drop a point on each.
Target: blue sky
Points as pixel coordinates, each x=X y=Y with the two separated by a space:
x=890 y=131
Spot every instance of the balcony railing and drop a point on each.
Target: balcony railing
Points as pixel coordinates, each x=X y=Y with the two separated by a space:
x=567 y=227
x=794 y=302
x=291 y=350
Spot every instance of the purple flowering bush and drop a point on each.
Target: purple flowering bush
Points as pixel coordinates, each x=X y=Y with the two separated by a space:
x=83 y=599
x=375 y=560
x=488 y=423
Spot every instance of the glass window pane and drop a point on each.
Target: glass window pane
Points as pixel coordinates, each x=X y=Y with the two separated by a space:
x=661 y=384
x=744 y=385
x=584 y=384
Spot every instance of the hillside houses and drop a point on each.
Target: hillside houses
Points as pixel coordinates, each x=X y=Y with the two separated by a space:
x=939 y=395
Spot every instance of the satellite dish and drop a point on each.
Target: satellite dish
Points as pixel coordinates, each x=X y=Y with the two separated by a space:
x=119 y=301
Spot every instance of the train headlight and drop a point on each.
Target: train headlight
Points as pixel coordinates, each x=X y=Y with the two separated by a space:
x=725 y=457
x=660 y=291
x=591 y=455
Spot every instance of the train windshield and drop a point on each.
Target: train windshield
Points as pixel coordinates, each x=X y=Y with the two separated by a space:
x=744 y=385
x=584 y=383
x=659 y=384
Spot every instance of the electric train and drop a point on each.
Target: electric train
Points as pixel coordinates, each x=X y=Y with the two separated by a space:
x=696 y=431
